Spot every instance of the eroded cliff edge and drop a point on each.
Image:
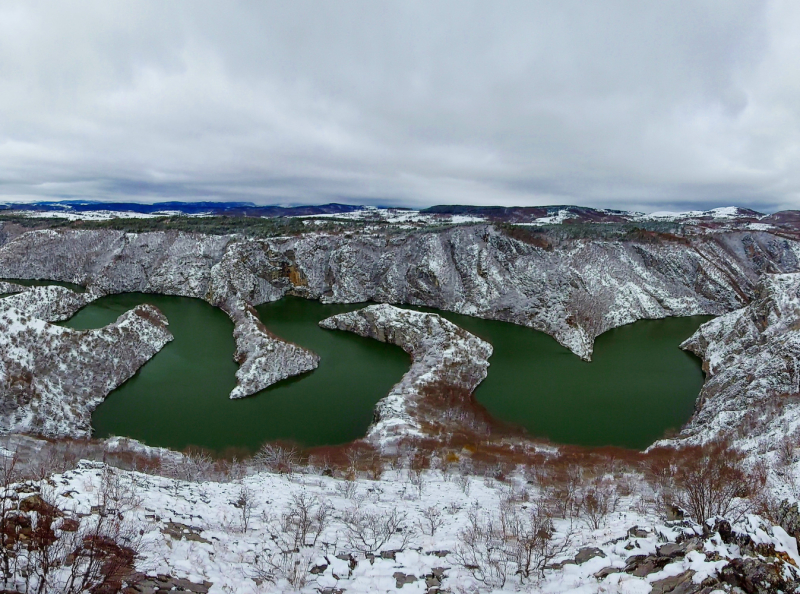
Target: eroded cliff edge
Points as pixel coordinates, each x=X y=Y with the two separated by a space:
x=573 y=289
x=447 y=365
x=751 y=357
x=52 y=378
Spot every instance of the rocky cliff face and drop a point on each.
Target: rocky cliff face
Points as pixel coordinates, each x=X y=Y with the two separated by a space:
x=263 y=358
x=574 y=289
x=447 y=361
x=168 y=263
x=52 y=378
x=753 y=376
x=571 y=288
x=50 y=303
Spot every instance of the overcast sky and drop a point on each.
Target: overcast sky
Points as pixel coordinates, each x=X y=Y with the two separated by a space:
x=637 y=105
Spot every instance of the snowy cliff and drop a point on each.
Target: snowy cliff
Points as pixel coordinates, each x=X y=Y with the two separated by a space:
x=447 y=361
x=573 y=289
x=52 y=378
x=751 y=358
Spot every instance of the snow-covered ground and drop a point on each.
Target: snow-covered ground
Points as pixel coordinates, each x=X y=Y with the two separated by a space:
x=227 y=537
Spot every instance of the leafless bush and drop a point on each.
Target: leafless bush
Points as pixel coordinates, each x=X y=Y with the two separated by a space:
x=463 y=481
x=117 y=494
x=305 y=518
x=292 y=566
x=277 y=458
x=417 y=480
x=595 y=503
x=245 y=502
x=786 y=453
x=495 y=547
x=192 y=467
x=431 y=520
x=369 y=531
x=294 y=535
x=44 y=551
x=561 y=487
x=711 y=482
x=347 y=489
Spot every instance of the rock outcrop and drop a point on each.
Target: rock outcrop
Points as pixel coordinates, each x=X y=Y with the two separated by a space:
x=52 y=378
x=751 y=357
x=447 y=365
x=10 y=288
x=50 y=303
x=573 y=289
x=263 y=358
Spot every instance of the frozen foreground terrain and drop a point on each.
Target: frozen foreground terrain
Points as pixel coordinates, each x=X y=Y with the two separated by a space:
x=423 y=531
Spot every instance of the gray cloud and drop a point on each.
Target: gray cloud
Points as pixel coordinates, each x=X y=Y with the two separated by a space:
x=620 y=104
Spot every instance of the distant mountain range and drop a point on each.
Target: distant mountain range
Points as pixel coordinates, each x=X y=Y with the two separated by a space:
x=247 y=209
x=523 y=215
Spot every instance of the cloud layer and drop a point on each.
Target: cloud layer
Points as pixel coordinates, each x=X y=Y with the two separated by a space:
x=620 y=104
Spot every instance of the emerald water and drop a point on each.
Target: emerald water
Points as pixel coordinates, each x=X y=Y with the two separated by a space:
x=180 y=396
x=639 y=384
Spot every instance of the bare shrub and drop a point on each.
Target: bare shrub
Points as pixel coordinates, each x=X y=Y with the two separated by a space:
x=417 y=479
x=711 y=482
x=294 y=535
x=245 y=503
x=45 y=551
x=495 y=547
x=595 y=502
x=292 y=566
x=561 y=486
x=192 y=466
x=431 y=520
x=786 y=453
x=463 y=481
x=347 y=489
x=277 y=458
x=368 y=531
x=305 y=518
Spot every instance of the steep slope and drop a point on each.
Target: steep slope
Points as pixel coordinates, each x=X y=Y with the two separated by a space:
x=52 y=378
x=752 y=360
x=447 y=363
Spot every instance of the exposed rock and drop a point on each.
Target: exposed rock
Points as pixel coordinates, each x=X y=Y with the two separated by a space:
x=263 y=358
x=751 y=360
x=570 y=287
x=402 y=579
x=676 y=584
x=50 y=303
x=587 y=553
x=52 y=378
x=574 y=292
x=789 y=518
x=444 y=357
x=756 y=576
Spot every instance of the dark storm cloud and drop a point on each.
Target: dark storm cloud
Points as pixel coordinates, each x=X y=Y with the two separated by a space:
x=645 y=105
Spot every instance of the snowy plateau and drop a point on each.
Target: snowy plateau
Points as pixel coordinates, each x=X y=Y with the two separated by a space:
x=409 y=507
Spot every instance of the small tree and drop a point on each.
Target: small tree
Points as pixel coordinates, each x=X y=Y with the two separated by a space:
x=431 y=520
x=369 y=531
x=245 y=502
x=710 y=482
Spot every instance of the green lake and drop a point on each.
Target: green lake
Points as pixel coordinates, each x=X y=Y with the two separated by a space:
x=639 y=384
x=180 y=397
